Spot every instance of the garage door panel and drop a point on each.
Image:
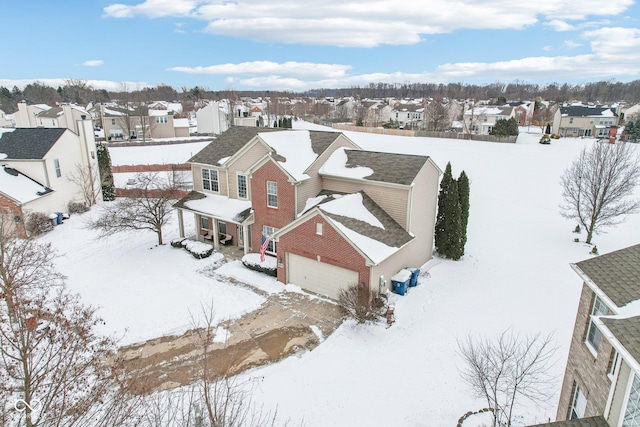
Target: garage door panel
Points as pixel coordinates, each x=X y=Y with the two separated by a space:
x=318 y=277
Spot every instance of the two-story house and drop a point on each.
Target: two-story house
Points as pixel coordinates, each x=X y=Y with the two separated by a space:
x=212 y=118
x=39 y=165
x=332 y=214
x=601 y=385
x=584 y=120
x=480 y=120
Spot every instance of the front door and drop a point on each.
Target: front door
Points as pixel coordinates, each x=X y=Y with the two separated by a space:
x=240 y=236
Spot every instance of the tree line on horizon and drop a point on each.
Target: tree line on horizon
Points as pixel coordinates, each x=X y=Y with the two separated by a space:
x=80 y=92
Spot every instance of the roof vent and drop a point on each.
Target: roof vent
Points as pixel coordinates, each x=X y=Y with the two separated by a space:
x=11 y=171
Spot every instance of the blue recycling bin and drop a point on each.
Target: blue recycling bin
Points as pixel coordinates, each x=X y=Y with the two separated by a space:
x=401 y=281
x=59 y=218
x=415 y=272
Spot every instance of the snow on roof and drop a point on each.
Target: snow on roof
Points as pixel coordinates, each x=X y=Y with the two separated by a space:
x=19 y=186
x=375 y=250
x=351 y=206
x=3 y=130
x=113 y=112
x=154 y=113
x=336 y=164
x=221 y=207
x=295 y=147
x=180 y=123
x=311 y=202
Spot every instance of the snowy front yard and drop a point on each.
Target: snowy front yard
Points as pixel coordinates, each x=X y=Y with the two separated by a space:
x=515 y=274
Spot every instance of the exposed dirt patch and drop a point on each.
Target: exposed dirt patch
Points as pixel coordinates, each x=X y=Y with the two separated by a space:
x=283 y=325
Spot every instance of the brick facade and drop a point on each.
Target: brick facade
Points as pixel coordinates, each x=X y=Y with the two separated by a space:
x=15 y=211
x=331 y=247
x=265 y=215
x=583 y=369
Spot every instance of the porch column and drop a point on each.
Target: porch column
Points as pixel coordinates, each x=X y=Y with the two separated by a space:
x=180 y=223
x=216 y=243
x=245 y=238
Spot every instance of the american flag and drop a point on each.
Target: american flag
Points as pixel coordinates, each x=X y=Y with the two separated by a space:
x=263 y=247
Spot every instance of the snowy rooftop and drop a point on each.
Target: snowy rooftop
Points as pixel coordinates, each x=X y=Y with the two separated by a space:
x=19 y=186
x=336 y=164
x=295 y=147
x=220 y=207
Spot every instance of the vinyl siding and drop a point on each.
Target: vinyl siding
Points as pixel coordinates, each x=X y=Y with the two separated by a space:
x=392 y=199
x=619 y=396
x=196 y=170
x=244 y=162
x=311 y=187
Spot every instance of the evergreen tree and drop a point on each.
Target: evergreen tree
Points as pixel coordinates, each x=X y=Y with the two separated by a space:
x=106 y=176
x=452 y=247
x=441 y=234
x=505 y=127
x=463 y=196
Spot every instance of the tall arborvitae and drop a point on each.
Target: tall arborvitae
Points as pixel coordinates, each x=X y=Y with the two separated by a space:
x=452 y=247
x=106 y=176
x=463 y=196
x=440 y=234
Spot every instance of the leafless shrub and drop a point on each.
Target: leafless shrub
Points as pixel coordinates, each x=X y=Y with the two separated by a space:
x=38 y=223
x=361 y=305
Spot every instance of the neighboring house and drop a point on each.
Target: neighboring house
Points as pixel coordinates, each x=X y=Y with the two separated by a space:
x=409 y=115
x=139 y=123
x=601 y=384
x=584 y=120
x=26 y=115
x=212 y=119
x=480 y=120
x=334 y=215
x=5 y=122
x=39 y=164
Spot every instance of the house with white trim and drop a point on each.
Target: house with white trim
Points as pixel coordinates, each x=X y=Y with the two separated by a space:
x=601 y=386
x=333 y=215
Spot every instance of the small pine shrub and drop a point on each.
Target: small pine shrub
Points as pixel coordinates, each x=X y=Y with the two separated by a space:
x=38 y=223
x=261 y=269
x=577 y=230
x=178 y=243
x=76 y=208
x=594 y=250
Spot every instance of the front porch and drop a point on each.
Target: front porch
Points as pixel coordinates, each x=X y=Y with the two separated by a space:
x=220 y=221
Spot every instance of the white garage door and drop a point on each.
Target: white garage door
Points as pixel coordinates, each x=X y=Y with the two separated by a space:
x=318 y=277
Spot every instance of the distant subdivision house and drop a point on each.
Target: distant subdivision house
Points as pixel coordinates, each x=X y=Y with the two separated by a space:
x=584 y=120
x=601 y=386
x=37 y=168
x=332 y=214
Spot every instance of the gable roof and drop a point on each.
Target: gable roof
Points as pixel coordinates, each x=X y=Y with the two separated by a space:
x=29 y=143
x=617 y=274
x=51 y=113
x=361 y=220
x=374 y=166
x=627 y=332
x=226 y=145
x=20 y=187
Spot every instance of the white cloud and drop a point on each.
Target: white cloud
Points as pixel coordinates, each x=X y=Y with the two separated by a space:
x=547 y=48
x=571 y=44
x=151 y=9
x=93 y=63
x=300 y=69
x=178 y=28
x=366 y=23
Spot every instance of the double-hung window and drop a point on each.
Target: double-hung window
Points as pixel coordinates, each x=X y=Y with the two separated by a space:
x=267 y=232
x=272 y=194
x=242 y=186
x=210 y=180
x=594 y=336
x=56 y=165
x=578 y=404
x=632 y=413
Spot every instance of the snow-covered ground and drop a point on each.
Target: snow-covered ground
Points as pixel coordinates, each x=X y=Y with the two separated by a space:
x=155 y=154
x=515 y=274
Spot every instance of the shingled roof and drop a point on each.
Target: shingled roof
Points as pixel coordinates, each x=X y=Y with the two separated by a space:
x=29 y=143
x=598 y=421
x=387 y=167
x=226 y=145
x=587 y=111
x=617 y=274
x=232 y=140
x=627 y=332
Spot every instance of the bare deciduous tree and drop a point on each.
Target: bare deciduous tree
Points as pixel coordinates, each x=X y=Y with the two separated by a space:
x=504 y=371
x=146 y=207
x=436 y=116
x=88 y=181
x=598 y=186
x=54 y=369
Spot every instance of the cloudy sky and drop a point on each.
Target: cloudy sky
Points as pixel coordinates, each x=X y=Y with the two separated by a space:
x=285 y=45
